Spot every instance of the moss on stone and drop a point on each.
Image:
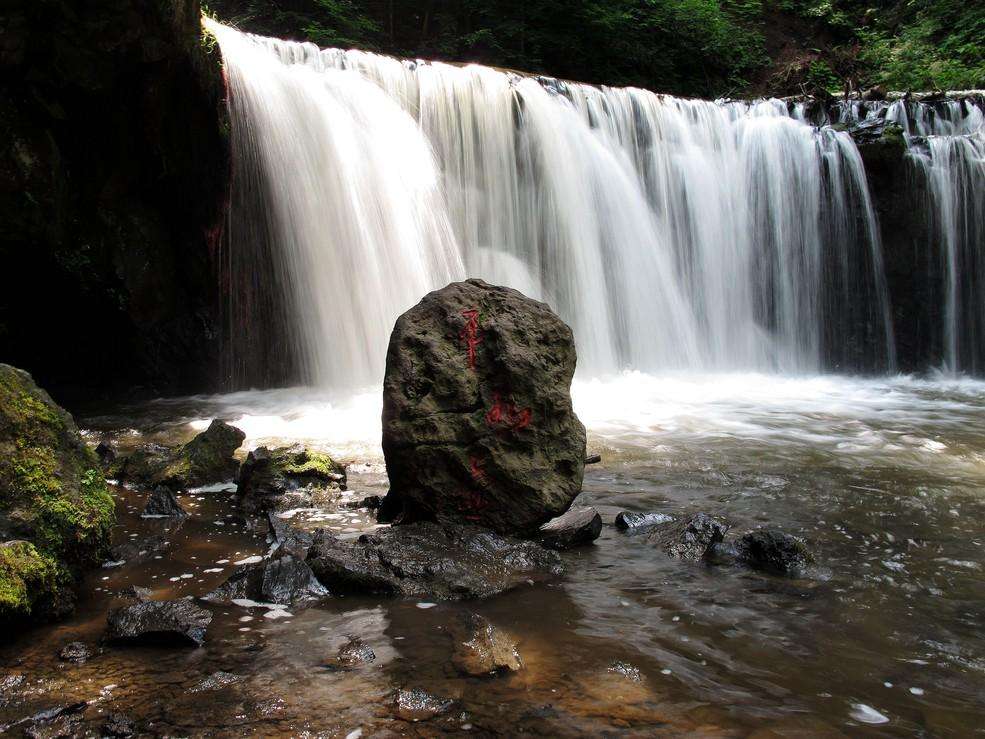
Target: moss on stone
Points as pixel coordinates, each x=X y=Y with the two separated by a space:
x=54 y=502
x=26 y=575
x=313 y=464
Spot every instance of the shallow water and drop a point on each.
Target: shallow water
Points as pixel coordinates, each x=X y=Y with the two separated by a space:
x=884 y=477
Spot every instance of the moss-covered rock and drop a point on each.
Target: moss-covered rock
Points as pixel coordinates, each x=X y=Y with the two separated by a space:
x=206 y=459
x=291 y=477
x=55 y=509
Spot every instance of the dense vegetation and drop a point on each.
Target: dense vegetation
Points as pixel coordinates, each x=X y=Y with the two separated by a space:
x=698 y=47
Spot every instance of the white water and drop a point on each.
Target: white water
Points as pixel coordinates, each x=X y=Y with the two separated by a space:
x=671 y=234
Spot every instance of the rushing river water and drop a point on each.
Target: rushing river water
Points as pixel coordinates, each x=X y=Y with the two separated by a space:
x=884 y=478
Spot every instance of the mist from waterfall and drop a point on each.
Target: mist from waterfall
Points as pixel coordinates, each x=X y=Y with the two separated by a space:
x=671 y=234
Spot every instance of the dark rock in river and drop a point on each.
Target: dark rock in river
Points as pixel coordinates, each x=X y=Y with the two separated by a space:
x=55 y=509
x=57 y=723
x=430 y=560
x=628 y=520
x=206 y=459
x=690 y=538
x=163 y=503
x=773 y=551
x=293 y=477
x=160 y=621
x=352 y=654
x=576 y=527
x=419 y=705
x=372 y=502
x=119 y=725
x=477 y=417
x=482 y=649
x=285 y=581
x=77 y=652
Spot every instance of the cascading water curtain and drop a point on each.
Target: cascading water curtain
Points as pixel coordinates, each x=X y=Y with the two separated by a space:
x=671 y=234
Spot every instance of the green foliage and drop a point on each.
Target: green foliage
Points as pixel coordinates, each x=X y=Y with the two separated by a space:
x=690 y=47
x=25 y=575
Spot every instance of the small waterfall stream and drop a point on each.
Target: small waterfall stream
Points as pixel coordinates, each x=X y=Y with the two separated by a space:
x=671 y=234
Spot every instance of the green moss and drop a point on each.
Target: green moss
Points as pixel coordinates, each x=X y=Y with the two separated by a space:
x=312 y=463
x=26 y=575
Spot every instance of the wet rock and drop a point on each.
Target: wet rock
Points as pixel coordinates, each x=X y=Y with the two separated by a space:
x=9 y=685
x=160 y=621
x=106 y=455
x=77 y=652
x=162 y=503
x=593 y=459
x=627 y=520
x=628 y=671
x=690 y=538
x=55 y=509
x=576 y=527
x=294 y=477
x=352 y=654
x=478 y=425
x=118 y=725
x=419 y=705
x=482 y=649
x=285 y=581
x=774 y=551
x=430 y=560
x=53 y=723
x=372 y=502
x=216 y=681
x=206 y=459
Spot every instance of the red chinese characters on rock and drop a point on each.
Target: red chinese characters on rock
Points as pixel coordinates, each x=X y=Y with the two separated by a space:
x=505 y=414
x=471 y=335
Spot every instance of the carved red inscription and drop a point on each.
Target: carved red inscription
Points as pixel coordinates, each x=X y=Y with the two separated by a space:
x=471 y=334
x=505 y=414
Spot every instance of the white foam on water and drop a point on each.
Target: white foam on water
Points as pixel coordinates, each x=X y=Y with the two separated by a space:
x=867 y=714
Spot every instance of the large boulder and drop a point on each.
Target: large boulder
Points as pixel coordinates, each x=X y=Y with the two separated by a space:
x=427 y=560
x=159 y=622
x=293 y=477
x=55 y=509
x=477 y=418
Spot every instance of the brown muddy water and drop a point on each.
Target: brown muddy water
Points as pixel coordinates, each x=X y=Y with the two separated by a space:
x=884 y=478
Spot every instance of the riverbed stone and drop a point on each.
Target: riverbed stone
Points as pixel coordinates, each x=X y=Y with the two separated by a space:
x=352 y=654
x=631 y=520
x=431 y=561
x=575 y=527
x=77 y=652
x=419 y=705
x=284 y=580
x=206 y=459
x=163 y=503
x=119 y=725
x=160 y=622
x=482 y=649
x=478 y=425
x=689 y=538
x=774 y=551
x=56 y=511
x=291 y=477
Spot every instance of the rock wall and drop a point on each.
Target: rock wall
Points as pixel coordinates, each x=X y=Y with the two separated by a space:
x=113 y=173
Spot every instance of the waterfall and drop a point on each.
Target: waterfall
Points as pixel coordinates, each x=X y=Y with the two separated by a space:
x=670 y=234
x=945 y=142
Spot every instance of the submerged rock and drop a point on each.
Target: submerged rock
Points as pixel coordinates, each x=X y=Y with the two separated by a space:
x=430 y=560
x=352 y=654
x=160 y=621
x=55 y=509
x=163 y=503
x=482 y=649
x=55 y=723
x=477 y=419
x=285 y=581
x=690 y=538
x=628 y=520
x=576 y=527
x=294 y=477
x=77 y=652
x=372 y=502
x=216 y=681
x=419 y=705
x=206 y=459
x=119 y=725
x=773 y=551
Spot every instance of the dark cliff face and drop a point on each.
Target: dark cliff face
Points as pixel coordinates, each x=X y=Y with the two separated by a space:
x=913 y=261
x=113 y=176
